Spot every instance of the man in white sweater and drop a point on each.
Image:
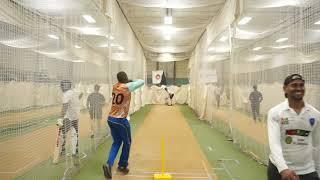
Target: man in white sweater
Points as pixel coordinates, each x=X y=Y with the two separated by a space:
x=294 y=135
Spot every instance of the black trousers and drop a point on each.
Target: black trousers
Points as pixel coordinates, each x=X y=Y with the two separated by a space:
x=273 y=174
x=255 y=107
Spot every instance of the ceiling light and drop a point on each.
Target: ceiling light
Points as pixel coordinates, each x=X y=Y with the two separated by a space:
x=78 y=61
x=167 y=49
x=223 y=38
x=88 y=30
x=168 y=20
x=274 y=4
x=168 y=29
x=220 y=49
x=167 y=37
x=282 y=47
x=244 y=20
x=257 y=48
x=282 y=40
x=121 y=48
x=52 y=36
x=318 y=22
x=76 y=46
x=111 y=37
x=165 y=57
x=89 y=18
x=168 y=17
x=211 y=49
x=104 y=45
x=257 y=58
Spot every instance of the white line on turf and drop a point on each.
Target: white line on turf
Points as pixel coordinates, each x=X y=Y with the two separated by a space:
x=206 y=169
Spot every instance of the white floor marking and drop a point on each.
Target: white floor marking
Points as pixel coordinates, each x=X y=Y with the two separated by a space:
x=206 y=169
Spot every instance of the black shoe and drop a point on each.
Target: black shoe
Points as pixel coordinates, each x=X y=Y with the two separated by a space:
x=107 y=171
x=124 y=170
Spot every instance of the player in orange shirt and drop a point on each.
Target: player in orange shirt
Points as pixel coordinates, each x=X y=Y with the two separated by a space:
x=119 y=124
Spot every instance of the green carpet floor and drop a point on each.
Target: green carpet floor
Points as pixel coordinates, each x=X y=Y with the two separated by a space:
x=227 y=159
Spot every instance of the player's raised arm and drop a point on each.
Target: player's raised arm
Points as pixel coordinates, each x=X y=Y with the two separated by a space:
x=135 y=84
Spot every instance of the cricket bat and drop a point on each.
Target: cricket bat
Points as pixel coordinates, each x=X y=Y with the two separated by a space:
x=57 y=148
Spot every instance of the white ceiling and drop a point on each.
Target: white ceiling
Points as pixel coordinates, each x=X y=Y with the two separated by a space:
x=190 y=18
x=270 y=21
x=27 y=24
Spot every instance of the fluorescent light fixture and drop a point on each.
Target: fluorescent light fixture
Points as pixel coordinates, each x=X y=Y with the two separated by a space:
x=88 y=30
x=89 y=18
x=318 y=22
x=168 y=20
x=78 y=61
x=244 y=20
x=168 y=49
x=223 y=38
x=219 y=49
x=257 y=48
x=121 y=48
x=165 y=57
x=167 y=37
x=52 y=36
x=111 y=37
x=282 y=47
x=103 y=45
x=168 y=29
x=274 y=4
x=282 y=40
x=258 y=58
x=77 y=46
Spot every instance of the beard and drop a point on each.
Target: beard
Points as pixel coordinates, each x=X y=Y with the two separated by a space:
x=297 y=97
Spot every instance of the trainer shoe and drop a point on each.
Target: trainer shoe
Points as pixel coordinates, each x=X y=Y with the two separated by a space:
x=107 y=171
x=124 y=170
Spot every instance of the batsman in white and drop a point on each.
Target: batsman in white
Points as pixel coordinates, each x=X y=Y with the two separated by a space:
x=69 y=120
x=169 y=99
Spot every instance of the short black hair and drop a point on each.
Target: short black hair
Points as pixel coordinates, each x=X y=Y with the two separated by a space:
x=122 y=77
x=65 y=85
x=291 y=78
x=96 y=87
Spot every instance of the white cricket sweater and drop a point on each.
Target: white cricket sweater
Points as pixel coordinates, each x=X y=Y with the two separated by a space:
x=294 y=139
